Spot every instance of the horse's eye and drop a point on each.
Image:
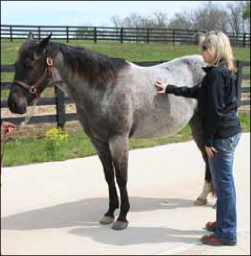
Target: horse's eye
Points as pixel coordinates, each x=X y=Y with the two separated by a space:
x=28 y=63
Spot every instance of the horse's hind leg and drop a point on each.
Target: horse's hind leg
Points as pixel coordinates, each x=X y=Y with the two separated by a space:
x=106 y=159
x=120 y=151
x=195 y=125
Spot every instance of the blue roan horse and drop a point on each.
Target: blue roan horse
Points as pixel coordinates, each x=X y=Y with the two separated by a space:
x=115 y=100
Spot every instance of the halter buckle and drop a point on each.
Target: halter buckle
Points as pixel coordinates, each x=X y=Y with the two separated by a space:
x=49 y=62
x=33 y=90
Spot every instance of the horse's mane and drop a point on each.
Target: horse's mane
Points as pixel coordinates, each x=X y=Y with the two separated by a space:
x=95 y=67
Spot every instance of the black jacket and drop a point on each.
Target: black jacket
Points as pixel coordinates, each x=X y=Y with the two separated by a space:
x=217 y=103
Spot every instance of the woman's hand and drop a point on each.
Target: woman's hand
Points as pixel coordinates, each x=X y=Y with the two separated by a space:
x=161 y=86
x=210 y=151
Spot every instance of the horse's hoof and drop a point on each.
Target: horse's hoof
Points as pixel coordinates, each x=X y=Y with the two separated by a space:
x=106 y=220
x=200 y=201
x=120 y=225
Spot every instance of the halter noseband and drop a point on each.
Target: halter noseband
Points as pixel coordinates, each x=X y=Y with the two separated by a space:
x=33 y=89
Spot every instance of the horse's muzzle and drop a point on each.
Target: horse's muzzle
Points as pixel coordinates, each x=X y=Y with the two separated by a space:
x=17 y=105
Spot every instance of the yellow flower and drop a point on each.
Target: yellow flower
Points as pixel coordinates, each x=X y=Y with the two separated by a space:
x=56 y=135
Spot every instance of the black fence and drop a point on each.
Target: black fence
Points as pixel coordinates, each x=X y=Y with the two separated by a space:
x=95 y=34
x=60 y=100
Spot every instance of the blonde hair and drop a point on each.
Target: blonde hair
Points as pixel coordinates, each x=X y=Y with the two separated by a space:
x=219 y=43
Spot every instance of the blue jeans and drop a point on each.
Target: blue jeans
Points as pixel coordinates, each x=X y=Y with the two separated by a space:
x=221 y=167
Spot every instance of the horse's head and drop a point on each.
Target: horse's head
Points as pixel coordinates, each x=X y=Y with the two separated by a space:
x=31 y=75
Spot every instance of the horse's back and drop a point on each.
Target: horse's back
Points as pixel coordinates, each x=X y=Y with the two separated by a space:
x=156 y=115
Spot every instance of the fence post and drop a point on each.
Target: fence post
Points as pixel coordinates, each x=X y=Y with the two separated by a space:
x=39 y=33
x=244 y=40
x=174 y=37
x=11 y=37
x=95 y=35
x=197 y=38
x=121 y=35
x=67 y=34
x=238 y=82
x=148 y=36
x=60 y=107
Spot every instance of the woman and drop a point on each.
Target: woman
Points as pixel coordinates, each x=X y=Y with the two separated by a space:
x=217 y=109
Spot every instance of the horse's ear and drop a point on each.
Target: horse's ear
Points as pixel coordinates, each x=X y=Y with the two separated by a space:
x=44 y=43
x=201 y=36
x=30 y=36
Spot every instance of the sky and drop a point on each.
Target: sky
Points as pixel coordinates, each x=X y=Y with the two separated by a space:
x=93 y=13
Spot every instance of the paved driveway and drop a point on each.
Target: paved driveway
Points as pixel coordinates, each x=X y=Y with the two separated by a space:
x=54 y=208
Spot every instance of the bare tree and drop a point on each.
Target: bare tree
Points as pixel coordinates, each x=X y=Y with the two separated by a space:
x=160 y=19
x=211 y=17
x=117 y=21
x=157 y=20
x=134 y=20
x=246 y=17
x=236 y=10
x=246 y=14
x=183 y=20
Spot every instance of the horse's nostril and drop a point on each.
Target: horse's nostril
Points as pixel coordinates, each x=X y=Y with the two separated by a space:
x=16 y=108
x=12 y=106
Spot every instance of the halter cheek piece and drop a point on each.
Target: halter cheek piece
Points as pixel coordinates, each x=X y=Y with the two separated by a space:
x=33 y=89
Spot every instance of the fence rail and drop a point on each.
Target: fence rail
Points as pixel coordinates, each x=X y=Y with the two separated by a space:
x=95 y=34
x=60 y=101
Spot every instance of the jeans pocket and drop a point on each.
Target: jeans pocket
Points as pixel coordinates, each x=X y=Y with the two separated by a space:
x=228 y=144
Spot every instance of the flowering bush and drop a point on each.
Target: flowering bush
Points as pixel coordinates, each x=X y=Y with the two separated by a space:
x=54 y=138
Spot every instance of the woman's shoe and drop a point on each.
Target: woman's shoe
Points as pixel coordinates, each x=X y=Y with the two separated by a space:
x=211 y=240
x=211 y=226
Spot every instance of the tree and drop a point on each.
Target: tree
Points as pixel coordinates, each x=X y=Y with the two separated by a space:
x=157 y=20
x=246 y=14
x=117 y=21
x=183 y=20
x=236 y=11
x=160 y=19
x=210 y=17
x=246 y=17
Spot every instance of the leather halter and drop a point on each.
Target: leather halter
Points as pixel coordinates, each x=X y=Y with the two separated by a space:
x=33 y=89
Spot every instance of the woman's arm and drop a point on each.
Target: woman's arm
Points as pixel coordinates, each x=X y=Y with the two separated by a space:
x=188 y=92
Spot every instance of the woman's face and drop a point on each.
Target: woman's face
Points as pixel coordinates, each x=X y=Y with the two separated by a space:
x=207 y=55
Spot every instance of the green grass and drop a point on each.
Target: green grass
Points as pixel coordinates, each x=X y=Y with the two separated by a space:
x=28 y=151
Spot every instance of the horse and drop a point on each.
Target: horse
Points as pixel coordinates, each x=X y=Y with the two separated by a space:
x=115 y=100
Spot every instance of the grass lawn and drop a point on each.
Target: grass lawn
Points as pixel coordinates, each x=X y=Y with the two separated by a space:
x=25 y=151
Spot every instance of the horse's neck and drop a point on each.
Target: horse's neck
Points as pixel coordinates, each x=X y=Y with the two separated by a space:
x=72 y=82
x=86 y=97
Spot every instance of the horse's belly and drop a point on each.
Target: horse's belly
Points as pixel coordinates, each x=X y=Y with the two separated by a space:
x=164 y=118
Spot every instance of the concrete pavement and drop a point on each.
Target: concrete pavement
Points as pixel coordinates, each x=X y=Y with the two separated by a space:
x=55 y=208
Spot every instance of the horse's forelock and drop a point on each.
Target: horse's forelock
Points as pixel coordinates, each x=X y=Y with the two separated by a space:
x=26 y=49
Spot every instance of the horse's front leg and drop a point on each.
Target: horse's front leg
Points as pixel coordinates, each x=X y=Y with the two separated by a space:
x=120 y=151
x=106 y=160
